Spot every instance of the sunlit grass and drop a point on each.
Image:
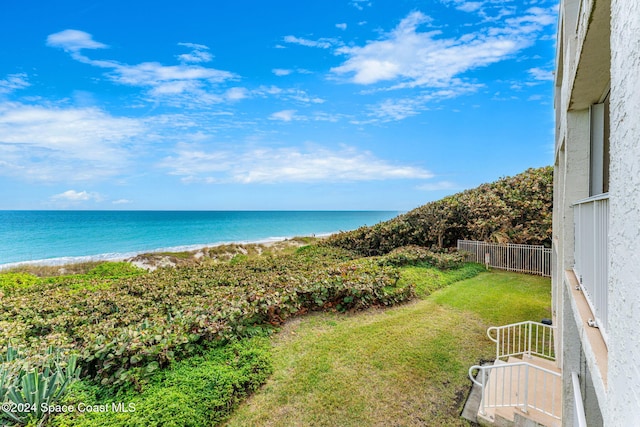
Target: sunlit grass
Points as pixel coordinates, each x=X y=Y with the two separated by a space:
x=402 y=366
x=500 y=297
x=428 y=279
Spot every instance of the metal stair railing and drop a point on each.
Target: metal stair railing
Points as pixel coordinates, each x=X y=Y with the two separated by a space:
x=524 y=338
x=521 y=385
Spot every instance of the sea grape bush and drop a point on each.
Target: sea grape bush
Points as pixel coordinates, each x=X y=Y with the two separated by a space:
x=515 y=209
x=115 y=270
x=127 y=329
x=10 y=282
x=417 y=255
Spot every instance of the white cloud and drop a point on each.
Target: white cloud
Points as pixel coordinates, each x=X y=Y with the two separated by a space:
x=302 y=96
x=323 y=43
x=488 y=10
x=74 y=41
x=412 y=58
x=397 y=109
x=537 y=15
x=155 y=74
x=77 y=196
x=170 y=88
x=465 y=5
x=372 y=70
x=286 y=71
x=394 y=109
x=199 y=53
x=51 y=144
x=269 y=90
x=194 y=46
x=177 y=84
x=320 y=116
x=288 y=94
x=278 y=165
x=469 y=6
x=540 y=74
x=181 y=85
x=14 y=82
x=341 y=26
x=281 y=72
x=284 y=115
x=236 y=93
x=122 y=202
x=360 y=4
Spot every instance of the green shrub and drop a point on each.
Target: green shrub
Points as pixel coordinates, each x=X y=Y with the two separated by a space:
x=515 y=209
x=238 y=258
x=10 y=282
x=113 y=270
x=127 y=329
x=200 y=391
x=416 y=255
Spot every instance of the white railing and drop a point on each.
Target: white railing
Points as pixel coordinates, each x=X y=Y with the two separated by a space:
x=579 y=419
x=519 y=385
x=591 y=218
x=532 y=259
x=524 y=338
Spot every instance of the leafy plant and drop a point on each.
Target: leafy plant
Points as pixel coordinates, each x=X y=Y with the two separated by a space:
x=10 y=282
x=133 y=326
x=515 y=209
x=27 y=392
x=417 y=255
x=115 y=270
x=200 y=391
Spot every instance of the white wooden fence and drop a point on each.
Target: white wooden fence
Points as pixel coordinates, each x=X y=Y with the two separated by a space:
x=531 y=259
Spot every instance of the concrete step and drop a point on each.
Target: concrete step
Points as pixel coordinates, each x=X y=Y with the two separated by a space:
x=542 y=391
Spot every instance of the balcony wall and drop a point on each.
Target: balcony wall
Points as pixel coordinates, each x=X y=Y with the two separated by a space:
x=591 y=219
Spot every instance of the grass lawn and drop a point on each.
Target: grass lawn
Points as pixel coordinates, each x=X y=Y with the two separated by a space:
x=402 y=366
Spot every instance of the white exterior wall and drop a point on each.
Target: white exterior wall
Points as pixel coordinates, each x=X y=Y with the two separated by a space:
x=624 y=238
x=571 y=179
x=611 y=392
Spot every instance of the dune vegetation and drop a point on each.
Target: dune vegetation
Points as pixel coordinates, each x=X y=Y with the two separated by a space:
x=515 y=209
x=111 y=344
x=124 y=327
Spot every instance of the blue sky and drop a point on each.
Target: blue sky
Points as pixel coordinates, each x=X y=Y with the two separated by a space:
x=339 y=104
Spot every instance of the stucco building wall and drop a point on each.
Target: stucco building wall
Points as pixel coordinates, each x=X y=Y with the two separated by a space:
x=599 y=56
x=624 y=223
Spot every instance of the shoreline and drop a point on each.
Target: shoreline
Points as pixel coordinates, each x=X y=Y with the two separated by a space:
x=134 y=257
x=38 y=238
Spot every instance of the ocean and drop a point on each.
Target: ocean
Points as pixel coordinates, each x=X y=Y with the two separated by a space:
x=60 y=237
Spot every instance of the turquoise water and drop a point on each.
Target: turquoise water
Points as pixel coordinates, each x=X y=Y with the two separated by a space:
x=56 y=237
